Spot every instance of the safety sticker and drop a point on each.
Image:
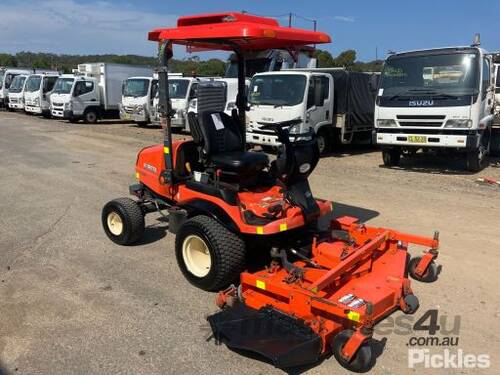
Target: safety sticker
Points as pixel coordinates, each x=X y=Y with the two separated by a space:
x=260 y=284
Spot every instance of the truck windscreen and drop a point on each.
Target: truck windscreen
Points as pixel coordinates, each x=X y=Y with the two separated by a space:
x=136 y=87
x=277 y=90
x=177 y=88
x=433 y=76
x=63 y=85
x=17 y=84
x=33 y=83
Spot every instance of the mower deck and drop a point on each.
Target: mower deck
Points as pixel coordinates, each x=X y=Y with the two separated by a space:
x=352 y=280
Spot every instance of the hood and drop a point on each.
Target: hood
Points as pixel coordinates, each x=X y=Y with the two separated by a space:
x=267 y=113
x=130 y=101
x=60 y=98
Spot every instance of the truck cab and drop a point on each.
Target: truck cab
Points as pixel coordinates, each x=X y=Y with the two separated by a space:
x=288 y=95
x=497 y=88
x=182 y=90
x=440 y=99
x=138 y=94
x=16 y=92
x=7 y=75
x=72 y=95
x=37 y=92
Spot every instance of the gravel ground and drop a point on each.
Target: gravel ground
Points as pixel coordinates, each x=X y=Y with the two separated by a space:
x=72 y=302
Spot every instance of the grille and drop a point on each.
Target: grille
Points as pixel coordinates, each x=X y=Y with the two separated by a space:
x=57 y=104
x=420 y=117
x=421 y=123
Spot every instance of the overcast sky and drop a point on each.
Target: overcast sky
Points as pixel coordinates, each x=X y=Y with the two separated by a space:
x=88 y=27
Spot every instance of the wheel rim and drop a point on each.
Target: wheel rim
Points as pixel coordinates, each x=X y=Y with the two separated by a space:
x=115 y=223
x=91 y=117
x=196 y=256
x=321 y=143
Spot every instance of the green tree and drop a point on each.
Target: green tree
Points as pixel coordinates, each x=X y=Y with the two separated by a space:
x=324 y=58
x=7 y=60
x=345 y=59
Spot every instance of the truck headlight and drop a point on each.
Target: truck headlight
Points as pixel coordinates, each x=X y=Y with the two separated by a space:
x=294 y=129
x=386 y=123
x=67 y=106
x=458 y=124
x=37 y=101
x=193 y=103
x=230 y=106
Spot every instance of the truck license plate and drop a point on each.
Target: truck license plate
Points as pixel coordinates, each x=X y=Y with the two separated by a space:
x=417 y=139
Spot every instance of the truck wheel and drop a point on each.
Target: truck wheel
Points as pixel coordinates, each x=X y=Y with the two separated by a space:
x=478 y=159
x=391 y=156
x=209 y=255
x=362 y=360
x=123 y=221
x=323 y=140
x=90 y=116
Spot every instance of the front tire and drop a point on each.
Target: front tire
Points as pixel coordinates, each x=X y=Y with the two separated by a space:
x=209 y=255
x=478 y=159
x=323 y=140
x=363 y=358
x=123 y=221
x=391 y=156
x=90 y=116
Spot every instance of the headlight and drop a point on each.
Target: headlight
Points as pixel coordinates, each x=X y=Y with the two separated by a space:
x=37 y=101
x=193 y=104
x=67 y=105
x=231 y=106
x=386 y=123
x=458 y=124
x=295 y=129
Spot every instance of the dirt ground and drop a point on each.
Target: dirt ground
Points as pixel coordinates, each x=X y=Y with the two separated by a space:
x=72 y=302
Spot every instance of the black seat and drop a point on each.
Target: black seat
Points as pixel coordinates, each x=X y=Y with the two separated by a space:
x=221 y=143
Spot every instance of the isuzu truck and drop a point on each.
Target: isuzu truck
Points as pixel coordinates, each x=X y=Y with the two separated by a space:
x=16 y=92
x=95 y=92
x=37 y=92
x=335 y=103
x=437 y=99
x=7 y=75
x=138 y=94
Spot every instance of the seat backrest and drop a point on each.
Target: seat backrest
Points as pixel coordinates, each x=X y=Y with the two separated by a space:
x=194 y=128
x=221 y=133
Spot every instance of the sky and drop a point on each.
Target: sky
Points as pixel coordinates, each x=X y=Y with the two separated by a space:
x=372 y=28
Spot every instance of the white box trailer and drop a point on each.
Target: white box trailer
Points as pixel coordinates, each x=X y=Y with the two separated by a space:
x=95 y=92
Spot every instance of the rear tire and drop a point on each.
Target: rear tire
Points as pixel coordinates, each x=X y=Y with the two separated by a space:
x=123 y=221
x=90 y=116
x=209 y=255
x=391 y=156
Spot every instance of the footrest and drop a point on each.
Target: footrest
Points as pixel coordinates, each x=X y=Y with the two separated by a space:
x=284 y=340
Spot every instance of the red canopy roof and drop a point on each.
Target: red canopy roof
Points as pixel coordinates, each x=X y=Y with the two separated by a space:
x=229 y=30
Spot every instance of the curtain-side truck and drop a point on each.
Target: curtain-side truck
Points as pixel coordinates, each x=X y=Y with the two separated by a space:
x=437 y=99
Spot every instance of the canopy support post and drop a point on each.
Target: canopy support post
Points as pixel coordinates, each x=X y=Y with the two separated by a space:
x=241 y=99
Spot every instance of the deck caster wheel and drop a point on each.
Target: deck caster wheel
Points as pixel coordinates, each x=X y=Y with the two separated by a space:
x=362 y=360
x=123 y=221
x=411 y=303
x=430 y=274
x=210 y=256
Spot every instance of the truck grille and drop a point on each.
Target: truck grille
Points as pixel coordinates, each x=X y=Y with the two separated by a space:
x=57 y=104
x=436 y=121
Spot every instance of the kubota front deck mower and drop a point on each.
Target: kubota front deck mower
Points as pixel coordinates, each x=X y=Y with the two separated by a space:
x=323 y=289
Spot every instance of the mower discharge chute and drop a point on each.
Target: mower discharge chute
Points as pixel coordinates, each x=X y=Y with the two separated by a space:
x=324 y=287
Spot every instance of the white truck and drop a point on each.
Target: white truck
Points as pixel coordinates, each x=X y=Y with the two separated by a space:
x=497 y=87
x=95 y=92
x=37 y=93
x=437 y=99
x=7 y=75
x=138 y=94
x=335 y=103
x=16 y=92
x=182 y=92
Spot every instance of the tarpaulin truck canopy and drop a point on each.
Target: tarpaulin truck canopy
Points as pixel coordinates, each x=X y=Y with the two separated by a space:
x=232 y=30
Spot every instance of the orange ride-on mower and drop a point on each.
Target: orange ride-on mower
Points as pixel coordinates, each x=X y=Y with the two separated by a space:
x=322 y=290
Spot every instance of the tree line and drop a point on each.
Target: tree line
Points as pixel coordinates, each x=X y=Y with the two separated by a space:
x=191 y=65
